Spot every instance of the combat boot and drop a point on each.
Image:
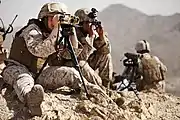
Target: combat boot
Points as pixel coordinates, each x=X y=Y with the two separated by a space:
x=34 y=99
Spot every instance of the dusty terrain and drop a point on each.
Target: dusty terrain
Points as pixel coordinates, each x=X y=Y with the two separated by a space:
x=62 y=106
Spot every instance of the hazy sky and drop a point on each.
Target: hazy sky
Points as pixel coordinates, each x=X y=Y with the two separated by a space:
x=29 y=8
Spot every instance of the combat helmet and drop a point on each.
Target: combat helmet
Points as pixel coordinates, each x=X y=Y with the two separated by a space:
x=142 y=46
x=50 y=9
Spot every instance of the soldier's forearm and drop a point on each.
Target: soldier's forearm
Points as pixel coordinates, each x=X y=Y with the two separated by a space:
x=39 y=47
x=91 y=40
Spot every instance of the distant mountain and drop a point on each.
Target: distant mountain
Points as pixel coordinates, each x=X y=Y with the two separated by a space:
x=125 y=26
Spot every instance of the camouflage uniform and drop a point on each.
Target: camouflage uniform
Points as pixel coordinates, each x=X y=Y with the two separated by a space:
x=160 y=86
x=147 y=84
x=99 y=62
x=32 y=44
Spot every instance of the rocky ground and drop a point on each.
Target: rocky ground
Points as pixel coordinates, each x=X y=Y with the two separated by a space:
x=61 y=105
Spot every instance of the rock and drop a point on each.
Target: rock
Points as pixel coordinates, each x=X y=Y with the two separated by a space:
x=120 y=101
x=59 y=106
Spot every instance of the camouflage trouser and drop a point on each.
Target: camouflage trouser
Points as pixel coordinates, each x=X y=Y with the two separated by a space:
x=54 y=77
x=19 y=78
x=159 y=86
x=51 y=78
x=90 y=75
x=103 y=64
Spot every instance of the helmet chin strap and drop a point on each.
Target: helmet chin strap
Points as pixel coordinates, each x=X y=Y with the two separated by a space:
x=145 y=44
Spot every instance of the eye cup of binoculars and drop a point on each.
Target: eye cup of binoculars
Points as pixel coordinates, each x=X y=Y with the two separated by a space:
x=69 y=19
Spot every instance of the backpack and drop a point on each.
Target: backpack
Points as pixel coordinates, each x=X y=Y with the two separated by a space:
x=152 y=71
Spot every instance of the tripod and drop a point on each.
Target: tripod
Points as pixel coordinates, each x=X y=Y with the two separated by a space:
x=129 y=75
x=66 y=32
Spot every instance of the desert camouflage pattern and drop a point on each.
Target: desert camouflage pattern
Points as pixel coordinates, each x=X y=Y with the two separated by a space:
x=35 y=42
x=160 y=86
x=102 y=64
x=40 y=47
x=51 y=78
x=91 y=75
x=99 y=61
x=87 y=44
x=20 y=77
x=55 y=76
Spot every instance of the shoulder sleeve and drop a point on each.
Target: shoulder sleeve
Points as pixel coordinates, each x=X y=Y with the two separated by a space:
x=102 y=45
x=36 y=44
x=163 y=67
